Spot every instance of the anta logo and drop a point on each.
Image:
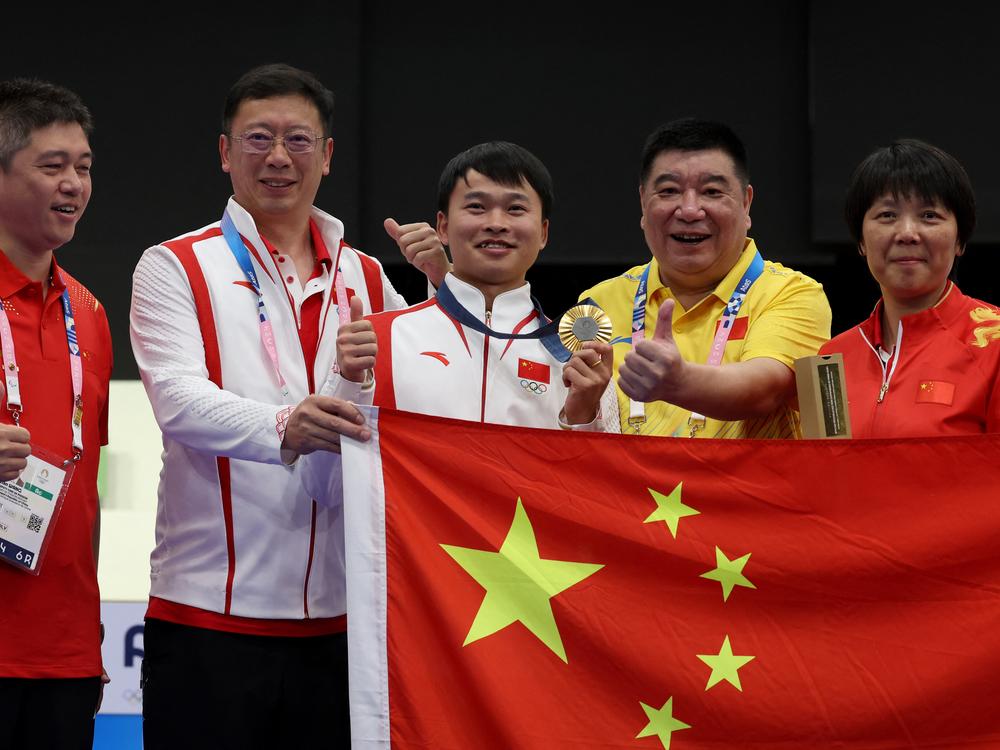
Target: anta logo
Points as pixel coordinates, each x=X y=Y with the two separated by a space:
x=439 y=356
x=246 y=284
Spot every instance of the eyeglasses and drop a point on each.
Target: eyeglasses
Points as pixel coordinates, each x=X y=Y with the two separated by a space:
x=261 y=142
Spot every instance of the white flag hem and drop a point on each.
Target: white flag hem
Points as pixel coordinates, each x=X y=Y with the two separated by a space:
x=364 y=530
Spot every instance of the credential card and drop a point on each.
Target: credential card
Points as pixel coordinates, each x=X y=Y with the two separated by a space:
x=29 y=507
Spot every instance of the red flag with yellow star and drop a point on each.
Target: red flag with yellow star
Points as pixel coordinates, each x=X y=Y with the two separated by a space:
x=514 y=588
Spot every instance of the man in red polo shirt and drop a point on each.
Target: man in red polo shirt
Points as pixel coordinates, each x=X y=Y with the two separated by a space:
x=234 y=328
x=54 y=408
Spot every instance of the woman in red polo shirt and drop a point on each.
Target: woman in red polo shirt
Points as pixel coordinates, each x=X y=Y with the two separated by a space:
x=927 y=361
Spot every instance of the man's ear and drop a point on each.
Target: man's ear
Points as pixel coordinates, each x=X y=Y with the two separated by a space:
x=224 y=152
x=545 y=234
x=642 y=205
x=327 y=155
x=747 y=200
x=442 y=227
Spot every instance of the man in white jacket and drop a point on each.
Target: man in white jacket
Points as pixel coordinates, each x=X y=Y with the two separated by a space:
x=480 y=350
x=233 y=328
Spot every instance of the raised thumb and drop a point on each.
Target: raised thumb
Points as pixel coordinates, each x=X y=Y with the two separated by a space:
x=391 y=228
x=664 y=322
x=357 y=309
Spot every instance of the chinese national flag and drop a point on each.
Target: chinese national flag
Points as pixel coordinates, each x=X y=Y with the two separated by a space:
x=536 y=371
x=514 y=588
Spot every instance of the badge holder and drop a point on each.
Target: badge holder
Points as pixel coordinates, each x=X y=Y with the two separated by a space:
x=29 y=508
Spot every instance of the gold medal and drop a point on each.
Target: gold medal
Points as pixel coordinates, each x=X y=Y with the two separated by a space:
x=584 y=323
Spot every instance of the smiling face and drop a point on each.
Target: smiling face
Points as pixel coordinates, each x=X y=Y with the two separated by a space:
x=494 y=232
x=910 y=245
x=277 y=184
x=45 y=191
x=695 y=216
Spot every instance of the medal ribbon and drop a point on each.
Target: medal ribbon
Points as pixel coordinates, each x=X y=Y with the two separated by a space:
x=548 y=333
x=637 y=410
x=13 y=379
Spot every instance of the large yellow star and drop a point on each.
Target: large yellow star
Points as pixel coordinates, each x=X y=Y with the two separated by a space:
x=725 y=666
x=729 y=573
x=519 y=584
x=661 y=722
x=670 y=509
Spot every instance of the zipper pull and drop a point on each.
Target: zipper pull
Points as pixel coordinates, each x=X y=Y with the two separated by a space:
x=881 y=392
x=488 y=316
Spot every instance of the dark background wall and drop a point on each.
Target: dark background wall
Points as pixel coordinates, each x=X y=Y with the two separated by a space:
x=812 y=87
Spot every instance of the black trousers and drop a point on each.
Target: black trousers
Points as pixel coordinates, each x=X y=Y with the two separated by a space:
x=48 y=714
x=216 y=690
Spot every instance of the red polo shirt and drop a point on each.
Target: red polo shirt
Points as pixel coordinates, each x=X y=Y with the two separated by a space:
x=310 y=296
x=50 y=622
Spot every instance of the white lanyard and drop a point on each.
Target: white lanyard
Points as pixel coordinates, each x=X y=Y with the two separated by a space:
x=13 y=379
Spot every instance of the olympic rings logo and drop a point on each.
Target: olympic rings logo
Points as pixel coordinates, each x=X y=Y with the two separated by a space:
x=132 y=696
x=533 y=387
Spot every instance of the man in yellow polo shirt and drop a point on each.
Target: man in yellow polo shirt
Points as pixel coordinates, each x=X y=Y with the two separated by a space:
x=706 y=333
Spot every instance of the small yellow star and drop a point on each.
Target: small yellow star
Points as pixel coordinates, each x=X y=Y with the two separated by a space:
x=670 y=509
x=729 y=573
x=661 y=722
x=725 y=666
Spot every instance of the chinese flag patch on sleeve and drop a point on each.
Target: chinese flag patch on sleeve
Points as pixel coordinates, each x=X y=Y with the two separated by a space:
x=532 y=371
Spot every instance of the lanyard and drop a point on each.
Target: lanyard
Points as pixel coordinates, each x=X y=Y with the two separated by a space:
x=13 y=378
x=239 y=251
x=637 y=410
x=343 y=306
x=547 y=334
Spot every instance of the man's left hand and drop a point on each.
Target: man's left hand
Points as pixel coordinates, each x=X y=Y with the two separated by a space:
x=357 y=345
x=654 y=370
x=587 y=374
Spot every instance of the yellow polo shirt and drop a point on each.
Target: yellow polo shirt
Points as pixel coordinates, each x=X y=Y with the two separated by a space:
x=785 y=316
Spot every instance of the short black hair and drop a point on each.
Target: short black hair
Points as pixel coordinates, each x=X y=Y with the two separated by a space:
x=503 y=162
x=27 y=104
x=692 y=134
x=279 y=79
x=911 y=168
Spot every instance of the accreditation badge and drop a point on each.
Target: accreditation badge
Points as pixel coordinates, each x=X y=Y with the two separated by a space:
x=584 y=323
x=29 y=506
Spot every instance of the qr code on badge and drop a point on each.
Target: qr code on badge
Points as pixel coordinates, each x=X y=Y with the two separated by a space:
x=35 y=523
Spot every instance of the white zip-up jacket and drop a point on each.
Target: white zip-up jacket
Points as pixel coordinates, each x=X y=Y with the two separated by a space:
x=236 y=533
x=429 y=363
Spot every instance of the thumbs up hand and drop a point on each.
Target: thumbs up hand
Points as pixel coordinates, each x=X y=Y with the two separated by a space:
x=421 y=247
x=15 y=447
x=654 y=370
x=356 y=345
